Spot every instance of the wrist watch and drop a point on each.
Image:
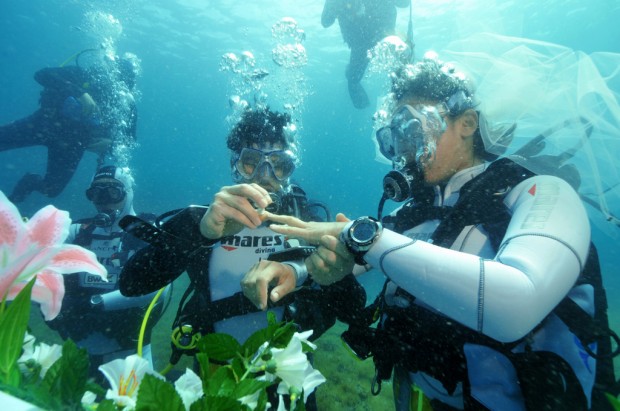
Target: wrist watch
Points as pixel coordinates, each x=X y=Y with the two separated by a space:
x=359 y=235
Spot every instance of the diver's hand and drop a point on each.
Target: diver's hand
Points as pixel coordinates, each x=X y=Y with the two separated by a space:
x=99 y=145
x=231 y=210
x=255 y=284
x=308 y=231
x=89 y=107
x=331 y=262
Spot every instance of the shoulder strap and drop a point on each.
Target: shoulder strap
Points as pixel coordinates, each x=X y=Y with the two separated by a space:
x=481 y=201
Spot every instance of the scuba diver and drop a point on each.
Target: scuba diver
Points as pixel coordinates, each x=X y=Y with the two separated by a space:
x=218 y=244
x=362 y=24
x=94 y=314
x=494 y=298
x=81 y=109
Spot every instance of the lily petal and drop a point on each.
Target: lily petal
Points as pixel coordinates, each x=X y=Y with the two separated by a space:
x=72 y=258
x=11 y=223
x=48 y=226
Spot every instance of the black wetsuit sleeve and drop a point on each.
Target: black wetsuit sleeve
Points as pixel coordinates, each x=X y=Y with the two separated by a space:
x=346 y=298
x=157 y=265
x=68 y=81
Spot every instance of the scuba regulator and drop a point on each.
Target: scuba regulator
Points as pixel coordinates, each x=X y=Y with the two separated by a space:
x=105 y=218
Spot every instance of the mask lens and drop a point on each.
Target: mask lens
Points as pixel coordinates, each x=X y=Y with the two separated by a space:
x=281 y=163
x=105 y=193
x=384 y=138
x=412 y=132
x=250 y=160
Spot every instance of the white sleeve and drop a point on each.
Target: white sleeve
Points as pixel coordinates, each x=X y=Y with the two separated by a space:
x=73 y=230
x=538 y=262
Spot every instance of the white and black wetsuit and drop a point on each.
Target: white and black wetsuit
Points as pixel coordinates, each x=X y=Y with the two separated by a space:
x=216 y=267
x=500 y=292
x=230 y=260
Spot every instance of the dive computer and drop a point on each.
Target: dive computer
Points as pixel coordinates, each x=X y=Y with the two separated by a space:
x=359 y=235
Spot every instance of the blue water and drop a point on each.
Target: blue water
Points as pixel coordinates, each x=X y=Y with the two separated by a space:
x=182 y=158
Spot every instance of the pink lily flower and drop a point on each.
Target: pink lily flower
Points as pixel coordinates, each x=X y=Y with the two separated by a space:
x=36 y=248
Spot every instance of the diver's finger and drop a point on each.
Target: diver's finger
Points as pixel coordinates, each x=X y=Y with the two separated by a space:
x=287 y=220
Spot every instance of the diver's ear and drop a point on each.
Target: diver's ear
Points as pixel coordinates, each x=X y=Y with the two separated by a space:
x=468 y=123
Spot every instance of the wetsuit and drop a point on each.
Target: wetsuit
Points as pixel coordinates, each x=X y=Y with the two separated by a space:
x=362 y=24
x=94 y=314
x=60 y=126
x=216 y=267
x=465 y=307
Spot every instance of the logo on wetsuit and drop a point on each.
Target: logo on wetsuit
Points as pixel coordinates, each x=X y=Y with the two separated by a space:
x=263 y=244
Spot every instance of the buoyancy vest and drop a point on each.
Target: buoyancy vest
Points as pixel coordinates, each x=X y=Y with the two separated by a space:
x=546 y=380
x=87 y=308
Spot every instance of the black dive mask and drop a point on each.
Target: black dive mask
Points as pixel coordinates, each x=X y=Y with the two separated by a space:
x=105 y=218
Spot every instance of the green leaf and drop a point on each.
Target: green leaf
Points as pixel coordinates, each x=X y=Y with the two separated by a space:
x=283 y=335
x=262 y=401
x=205 y=366
x=66 y=379
x=220 y=347
x=238 y=368
x=155 y=394
x=222 y=381
x=300 y=405
x=107 y=405
x=13 y=325
x=253 y=343
x=214 y=403
x=614 y=401
x=95 y=388
x=200 y=405
x=249 y=387
x=34 y=394
x=271 y=318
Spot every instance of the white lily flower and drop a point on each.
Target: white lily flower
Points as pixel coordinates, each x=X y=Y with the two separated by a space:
x=189 y=387
x=47 y=355
x=28 y=347
x=88 y=400
x=312 y=379
x=281 y=406
x=125 y=377
x=250 y=400
x=43 y=354
x=291 y=365
x=303 y=337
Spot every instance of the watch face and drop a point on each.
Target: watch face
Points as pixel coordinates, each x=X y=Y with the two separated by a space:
x=364 y=231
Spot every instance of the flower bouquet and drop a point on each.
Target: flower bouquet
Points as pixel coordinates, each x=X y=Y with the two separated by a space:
x=270 y=367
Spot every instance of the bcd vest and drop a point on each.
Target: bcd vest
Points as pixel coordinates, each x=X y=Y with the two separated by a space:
x=546 y=380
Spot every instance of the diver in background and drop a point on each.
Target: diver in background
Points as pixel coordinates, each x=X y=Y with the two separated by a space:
x=94 y=314
x=81 y=109
x=362 y=24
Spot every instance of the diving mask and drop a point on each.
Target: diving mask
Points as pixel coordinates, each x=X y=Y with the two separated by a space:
x=251 y=160
x=106 y=193
x=414 y=130
x=412 y=134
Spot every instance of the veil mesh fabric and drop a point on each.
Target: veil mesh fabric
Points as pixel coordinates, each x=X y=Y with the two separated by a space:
x=564 y=104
